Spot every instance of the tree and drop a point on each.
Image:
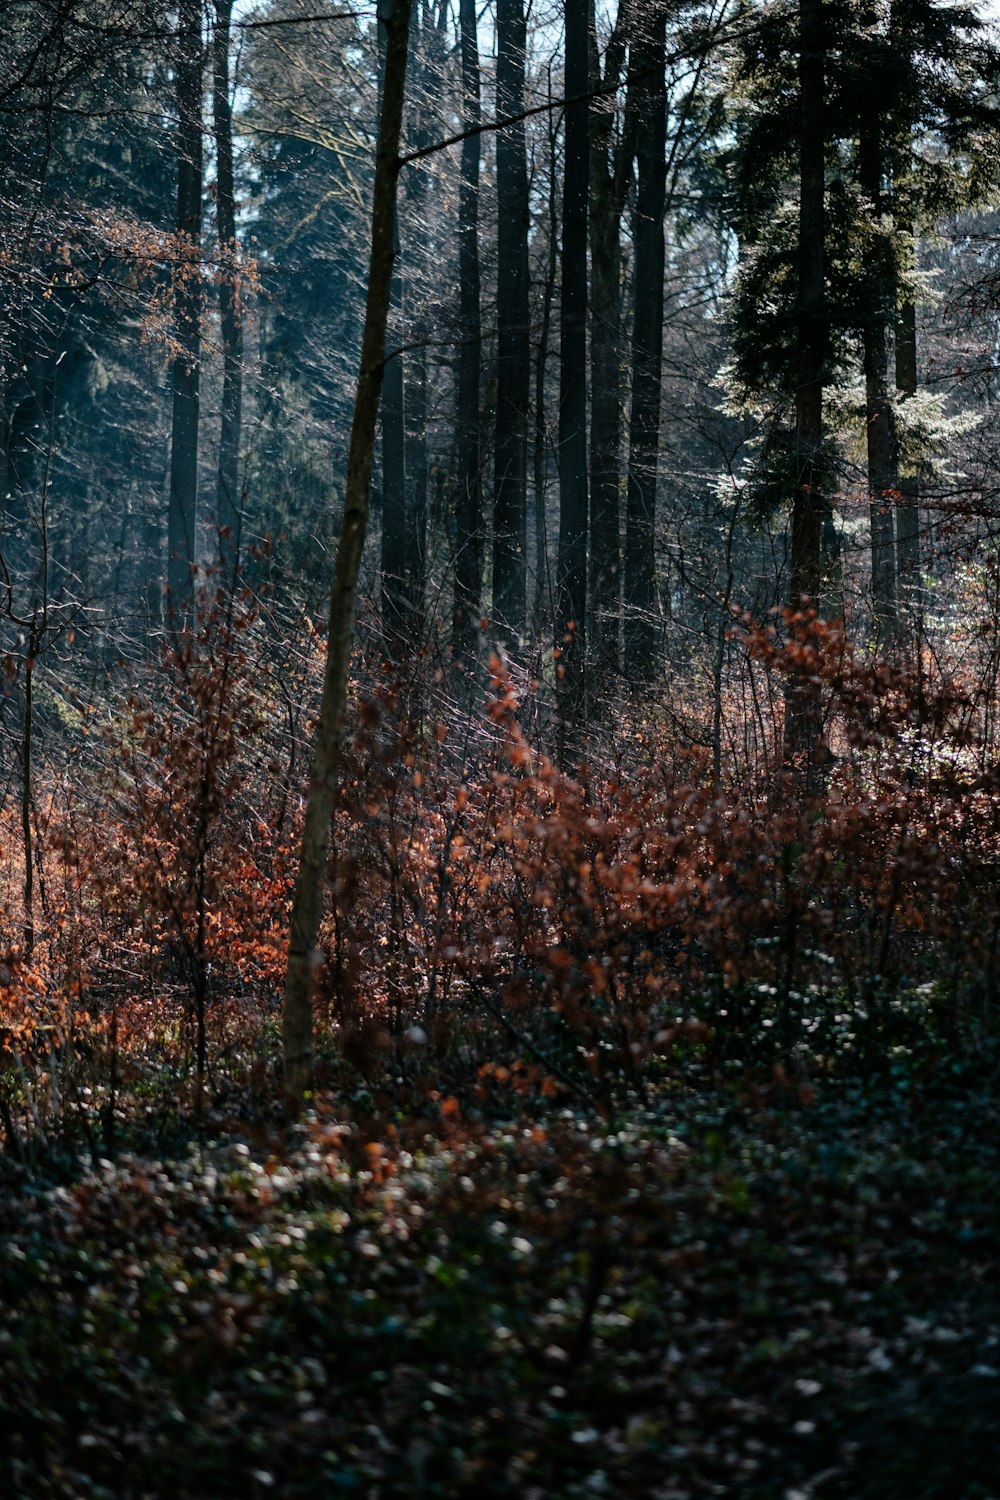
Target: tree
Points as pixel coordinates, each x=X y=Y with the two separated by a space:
x=86 y=176
x=612 y=146
x=394 y=583
x=908 y=505
x=571 y=610
x=182 y=511
x=309 y=116
x=887 y=117
x=883 y=475
x=427 y=58
x=513 y=344
x=917 y=71
x=394 y=15
x=468 y=483
x=228 y=508
x=811 y=337
x=647 y=65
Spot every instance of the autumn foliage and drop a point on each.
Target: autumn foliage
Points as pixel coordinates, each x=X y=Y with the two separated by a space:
x=579 y=1037
x=496 y=923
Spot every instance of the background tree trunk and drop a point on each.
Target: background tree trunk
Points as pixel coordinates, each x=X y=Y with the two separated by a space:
x=806 y=505
x=803 y=721
x=610 y=157
x=647 y=67
x=880 y=430
x=542 y=603
x=182 y=508
x=395 y=614
x=908 y=505
x=417 y=477
x=427 y=52
x=571 y=610
x=468 y=518
x=228 y=508
x=513 y=348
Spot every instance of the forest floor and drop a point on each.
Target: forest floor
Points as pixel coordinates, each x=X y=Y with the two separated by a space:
x=764 y=1292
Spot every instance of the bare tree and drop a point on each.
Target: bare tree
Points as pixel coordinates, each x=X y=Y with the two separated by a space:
x=513 y=346
x=571 y=617
x=231 y=319
x=186 y=368
x=469 y=521
x=648 y=68
x=297 y=1021
x=803 y=711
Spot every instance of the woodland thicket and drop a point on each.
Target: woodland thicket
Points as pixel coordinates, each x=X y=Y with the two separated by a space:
x=500 y=749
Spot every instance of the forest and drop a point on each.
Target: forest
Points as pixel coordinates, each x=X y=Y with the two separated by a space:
x=499 y=749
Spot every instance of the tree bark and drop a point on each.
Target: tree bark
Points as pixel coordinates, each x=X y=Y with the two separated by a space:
x=182 y=508
x=297 y=1020
x=228 y=508
x=908 y=503
x=803 y=710
x=610 y=159
x=880 y=426
x=571 y=612
x=469 y=512
x=427 y=47
x=417 y=477
x=513 y=348
x=647 y=66
x=543 y=603
x=393 y=561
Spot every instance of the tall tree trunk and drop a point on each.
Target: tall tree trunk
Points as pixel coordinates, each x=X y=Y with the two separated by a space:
x=395 y=612
x=182 y=508
x=803 y=709
x=571 y=610
x=469 y=514
x=540 y=443
x=427 y=47
x=647 y=66
x=307 y=899
x=880 y=425
x=610 y=158
x=908 y=505
x=228 y=508
x=417 y=477
x=513 y=348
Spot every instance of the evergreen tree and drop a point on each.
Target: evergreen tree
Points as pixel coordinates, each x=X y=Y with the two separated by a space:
x=889 y=112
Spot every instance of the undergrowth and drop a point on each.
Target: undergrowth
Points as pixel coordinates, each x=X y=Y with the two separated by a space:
x=653 y=1144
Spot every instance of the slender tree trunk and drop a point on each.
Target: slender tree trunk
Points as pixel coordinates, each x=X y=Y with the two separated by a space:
x=228 y=508
x=427 y=47
x=647 y=65
x=469 y=516
x=393 y=565
x=395 y=612
x=417 y=478
x=27 y=788
x=571 y=612
x=540 y=443
x=182 y=508
x=513 y=348
x=908 y=587
x=908 y=504
x=297 y=1021
x=803 y=709
x=880 y=425
x=608 y=184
